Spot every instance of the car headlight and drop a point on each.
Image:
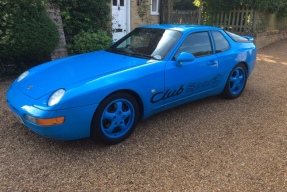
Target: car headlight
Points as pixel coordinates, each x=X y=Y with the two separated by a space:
x=22 y=76
x=56 y=97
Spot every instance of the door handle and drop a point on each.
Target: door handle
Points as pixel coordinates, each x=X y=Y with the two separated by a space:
x=212 y=62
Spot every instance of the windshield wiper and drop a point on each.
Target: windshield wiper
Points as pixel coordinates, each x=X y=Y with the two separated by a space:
x=145 y=55
x=115 y=50
x=132 y=53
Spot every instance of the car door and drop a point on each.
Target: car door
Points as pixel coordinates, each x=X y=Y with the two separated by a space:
x=192 y=77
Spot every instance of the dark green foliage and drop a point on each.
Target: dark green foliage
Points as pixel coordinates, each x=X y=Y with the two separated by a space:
x=83 y=16
x=35 y=37
x=87 y=42
x=184 y=5
x=27 y=34
x=269 y=6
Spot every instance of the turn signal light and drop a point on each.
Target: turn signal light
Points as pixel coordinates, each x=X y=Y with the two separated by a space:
x=50 y=122
x=46 y=122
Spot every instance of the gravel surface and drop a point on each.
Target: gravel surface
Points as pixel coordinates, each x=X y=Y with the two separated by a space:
x=208 y=145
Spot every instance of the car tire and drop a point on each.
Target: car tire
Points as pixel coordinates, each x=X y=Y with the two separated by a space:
x=115 y=118
x=236 y=82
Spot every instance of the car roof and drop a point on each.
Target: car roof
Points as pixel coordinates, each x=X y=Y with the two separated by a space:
x=181 y=27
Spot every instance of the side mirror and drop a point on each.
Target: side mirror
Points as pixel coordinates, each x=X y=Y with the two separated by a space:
x=184 y=57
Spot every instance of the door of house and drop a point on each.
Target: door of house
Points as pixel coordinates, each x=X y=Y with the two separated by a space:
x=119 y=19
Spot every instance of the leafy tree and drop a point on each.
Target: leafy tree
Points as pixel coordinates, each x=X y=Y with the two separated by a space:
x=184 y=5
x=270 y=6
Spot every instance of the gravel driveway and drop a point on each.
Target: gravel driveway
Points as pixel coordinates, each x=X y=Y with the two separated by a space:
x=208 y=145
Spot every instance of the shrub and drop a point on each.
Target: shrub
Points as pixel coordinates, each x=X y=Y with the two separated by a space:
x=27 y=34
x=89 y=41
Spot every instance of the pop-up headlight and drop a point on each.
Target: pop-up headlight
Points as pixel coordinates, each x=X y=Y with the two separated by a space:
x=56 y=97
x=22 y=76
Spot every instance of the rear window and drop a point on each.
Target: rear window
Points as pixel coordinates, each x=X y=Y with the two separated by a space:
x=235 y=37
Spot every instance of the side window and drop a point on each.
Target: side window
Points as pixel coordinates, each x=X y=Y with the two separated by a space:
x=221 y=44
x=197 y=44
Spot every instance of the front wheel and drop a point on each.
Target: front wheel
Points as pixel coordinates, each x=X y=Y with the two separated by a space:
x=236 y=82
x=115 y=118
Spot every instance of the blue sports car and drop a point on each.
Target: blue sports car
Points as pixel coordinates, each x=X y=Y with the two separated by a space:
x=104 y=94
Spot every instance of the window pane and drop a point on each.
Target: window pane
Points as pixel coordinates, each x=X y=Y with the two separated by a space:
x=115 y=2
x=221 y=44
x=122 y=3
x=197 y=44
x=236 y=37
x=154 y=6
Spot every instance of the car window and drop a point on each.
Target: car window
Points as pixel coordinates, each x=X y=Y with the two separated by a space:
x=236 y=38
x=197 y=44
x=221 y=44
x=147 y=42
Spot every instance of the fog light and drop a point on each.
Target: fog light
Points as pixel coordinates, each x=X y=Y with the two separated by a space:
x=46 y=122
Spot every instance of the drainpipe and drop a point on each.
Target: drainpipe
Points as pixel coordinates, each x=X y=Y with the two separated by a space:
x=161 y=6
x=168 y=11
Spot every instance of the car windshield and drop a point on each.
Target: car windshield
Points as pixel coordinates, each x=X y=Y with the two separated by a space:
x=146 y=43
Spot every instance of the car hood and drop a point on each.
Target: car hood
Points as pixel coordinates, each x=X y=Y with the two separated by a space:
x=61 y=73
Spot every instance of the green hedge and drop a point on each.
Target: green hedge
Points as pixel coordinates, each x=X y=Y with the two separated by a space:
x=27 y=34
x=89 y=41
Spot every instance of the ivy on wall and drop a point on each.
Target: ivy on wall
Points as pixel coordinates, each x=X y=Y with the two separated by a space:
x=144 y=10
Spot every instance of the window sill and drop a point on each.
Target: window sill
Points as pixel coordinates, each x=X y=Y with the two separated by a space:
x=154 y=13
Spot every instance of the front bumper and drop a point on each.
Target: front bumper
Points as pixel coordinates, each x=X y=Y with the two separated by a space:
x=77 y=122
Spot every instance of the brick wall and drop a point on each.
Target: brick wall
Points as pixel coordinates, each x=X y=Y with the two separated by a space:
x=267 y=38
x=136 y=20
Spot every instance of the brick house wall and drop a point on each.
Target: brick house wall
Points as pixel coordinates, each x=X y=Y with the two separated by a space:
x=136 y=20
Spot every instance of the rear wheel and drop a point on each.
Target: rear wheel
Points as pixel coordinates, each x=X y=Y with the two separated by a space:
x=115 y=118
x=236 y=82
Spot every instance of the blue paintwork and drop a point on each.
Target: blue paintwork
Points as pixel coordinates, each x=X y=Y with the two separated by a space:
x=91 y=77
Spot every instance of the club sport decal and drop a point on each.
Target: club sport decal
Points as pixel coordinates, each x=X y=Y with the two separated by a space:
x=192 y=87
x=165 y=95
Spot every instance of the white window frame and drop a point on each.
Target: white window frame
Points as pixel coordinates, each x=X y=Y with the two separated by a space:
x=156 y=12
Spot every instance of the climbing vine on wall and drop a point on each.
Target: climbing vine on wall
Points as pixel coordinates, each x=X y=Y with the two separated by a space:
x=143 y=8
x=143 y=11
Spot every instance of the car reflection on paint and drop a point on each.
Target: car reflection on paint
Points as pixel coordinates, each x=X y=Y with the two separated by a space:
x=104 y=94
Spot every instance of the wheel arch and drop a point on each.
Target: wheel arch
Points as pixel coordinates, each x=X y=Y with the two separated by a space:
x=136 y=96
x=246 y=66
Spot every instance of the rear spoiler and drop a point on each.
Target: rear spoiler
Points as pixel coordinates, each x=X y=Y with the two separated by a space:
x=249 y=38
